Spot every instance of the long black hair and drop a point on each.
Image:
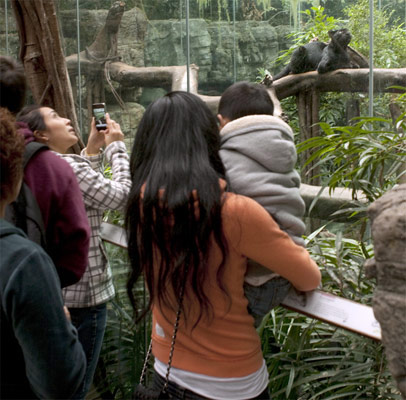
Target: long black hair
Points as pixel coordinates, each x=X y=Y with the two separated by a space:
x=174 y=207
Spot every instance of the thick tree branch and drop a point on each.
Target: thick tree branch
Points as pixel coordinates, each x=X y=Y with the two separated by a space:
x=342 y=80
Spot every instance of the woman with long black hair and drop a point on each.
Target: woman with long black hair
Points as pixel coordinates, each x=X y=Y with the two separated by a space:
x=190 y=239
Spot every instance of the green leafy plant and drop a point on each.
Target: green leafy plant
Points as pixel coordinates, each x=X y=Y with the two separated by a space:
x=389 y=36
x=311 y=360
x=367 y=156
x=125 y=343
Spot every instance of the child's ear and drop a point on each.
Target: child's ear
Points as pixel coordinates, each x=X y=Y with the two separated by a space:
x=222 y=120
x=41 y=136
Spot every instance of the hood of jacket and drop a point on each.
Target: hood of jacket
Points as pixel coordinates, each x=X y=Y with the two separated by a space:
x=265 y=139
x=24 y=130
x=9 y=229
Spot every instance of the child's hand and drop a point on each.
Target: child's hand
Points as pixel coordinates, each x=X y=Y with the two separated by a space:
x=113 y=132
x=96 y=139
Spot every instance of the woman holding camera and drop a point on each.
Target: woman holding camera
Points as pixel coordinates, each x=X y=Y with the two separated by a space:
x=87 y=299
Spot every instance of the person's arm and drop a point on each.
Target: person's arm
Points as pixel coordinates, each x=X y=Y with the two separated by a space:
x=54 y=359
x=55 y=187
x=261 y=240
x=100 y=192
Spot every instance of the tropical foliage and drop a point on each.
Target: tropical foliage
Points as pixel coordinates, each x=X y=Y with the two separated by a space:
x=311 y=360
x=389 y=36
x=367 y=156
x=125 y=343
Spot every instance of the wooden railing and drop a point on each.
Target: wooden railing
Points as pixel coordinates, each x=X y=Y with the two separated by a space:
x=318 y=304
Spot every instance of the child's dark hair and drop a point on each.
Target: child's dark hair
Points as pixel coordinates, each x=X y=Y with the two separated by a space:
x=12 y=84
x=245 y=98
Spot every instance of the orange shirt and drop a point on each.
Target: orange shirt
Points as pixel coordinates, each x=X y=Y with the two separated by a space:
x=227 y=344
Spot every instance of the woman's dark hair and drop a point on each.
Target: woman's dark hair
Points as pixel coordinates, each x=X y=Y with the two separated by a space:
x=174 y=208
x=245 y=98
x=32 y=116
x=11 y=154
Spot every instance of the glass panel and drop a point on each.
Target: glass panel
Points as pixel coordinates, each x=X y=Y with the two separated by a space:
x=229 y=41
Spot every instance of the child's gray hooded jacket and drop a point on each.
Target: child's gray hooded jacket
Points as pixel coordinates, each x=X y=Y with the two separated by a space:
x=259 y=155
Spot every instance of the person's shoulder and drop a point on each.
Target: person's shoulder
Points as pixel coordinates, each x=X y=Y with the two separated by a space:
x=74 y=159
x=50 y=163
x=47 y=158
x=7 y=230
x=18 y=251
x=244 y=217
x=15 y=238
x=239 y=206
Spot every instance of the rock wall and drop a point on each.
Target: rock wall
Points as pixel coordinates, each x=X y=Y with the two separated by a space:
x=388 y=217
x=213 y=46
x=219 y=49
x=142 y=42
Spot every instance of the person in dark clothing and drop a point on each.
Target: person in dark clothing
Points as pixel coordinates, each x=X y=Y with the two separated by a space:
x=54 y=186
x=41 y=356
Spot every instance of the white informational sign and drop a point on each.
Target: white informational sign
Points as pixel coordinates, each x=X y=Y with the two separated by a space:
x=335 y=310
x=317 y=304
x=114 y=234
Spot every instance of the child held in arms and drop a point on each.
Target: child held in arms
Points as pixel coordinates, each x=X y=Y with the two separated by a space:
x=259 y=154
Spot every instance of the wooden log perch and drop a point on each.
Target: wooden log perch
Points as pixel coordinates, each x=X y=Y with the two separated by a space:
x=327 y=204
x=341 y=80
x=172 y=77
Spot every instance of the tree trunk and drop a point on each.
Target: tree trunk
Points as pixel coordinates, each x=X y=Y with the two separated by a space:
x=308 y=104
x=44 y=62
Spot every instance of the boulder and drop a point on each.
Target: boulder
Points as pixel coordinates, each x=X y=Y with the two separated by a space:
x=388 y=217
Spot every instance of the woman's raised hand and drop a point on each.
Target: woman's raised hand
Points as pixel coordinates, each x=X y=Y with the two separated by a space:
x=96 y=139
x=113 y=132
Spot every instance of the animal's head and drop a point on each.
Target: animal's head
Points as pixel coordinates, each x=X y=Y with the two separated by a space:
x=116 y=9
x=341 y=36
x=114 y=16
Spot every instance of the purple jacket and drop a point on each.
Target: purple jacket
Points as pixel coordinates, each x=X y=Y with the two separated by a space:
x=54 y=185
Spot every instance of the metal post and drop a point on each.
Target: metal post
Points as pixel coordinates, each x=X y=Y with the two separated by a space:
x=79 y=70
x=181 y=25
x=371 y=58
x=187 y=47
x=234 y=48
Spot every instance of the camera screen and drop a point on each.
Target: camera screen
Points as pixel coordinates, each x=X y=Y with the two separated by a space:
x=99 y=116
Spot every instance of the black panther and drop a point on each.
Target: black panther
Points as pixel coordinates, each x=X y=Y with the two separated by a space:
x=320 y=56
x=335 y=55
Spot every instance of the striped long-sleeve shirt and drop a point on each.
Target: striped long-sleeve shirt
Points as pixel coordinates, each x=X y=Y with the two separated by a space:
x=99 y=194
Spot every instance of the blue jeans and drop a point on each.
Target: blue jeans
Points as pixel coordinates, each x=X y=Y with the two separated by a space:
x=261 y=299
x=177 y=392
x=91 y=324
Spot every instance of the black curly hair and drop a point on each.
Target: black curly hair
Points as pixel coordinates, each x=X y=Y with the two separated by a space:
x=11 y=155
